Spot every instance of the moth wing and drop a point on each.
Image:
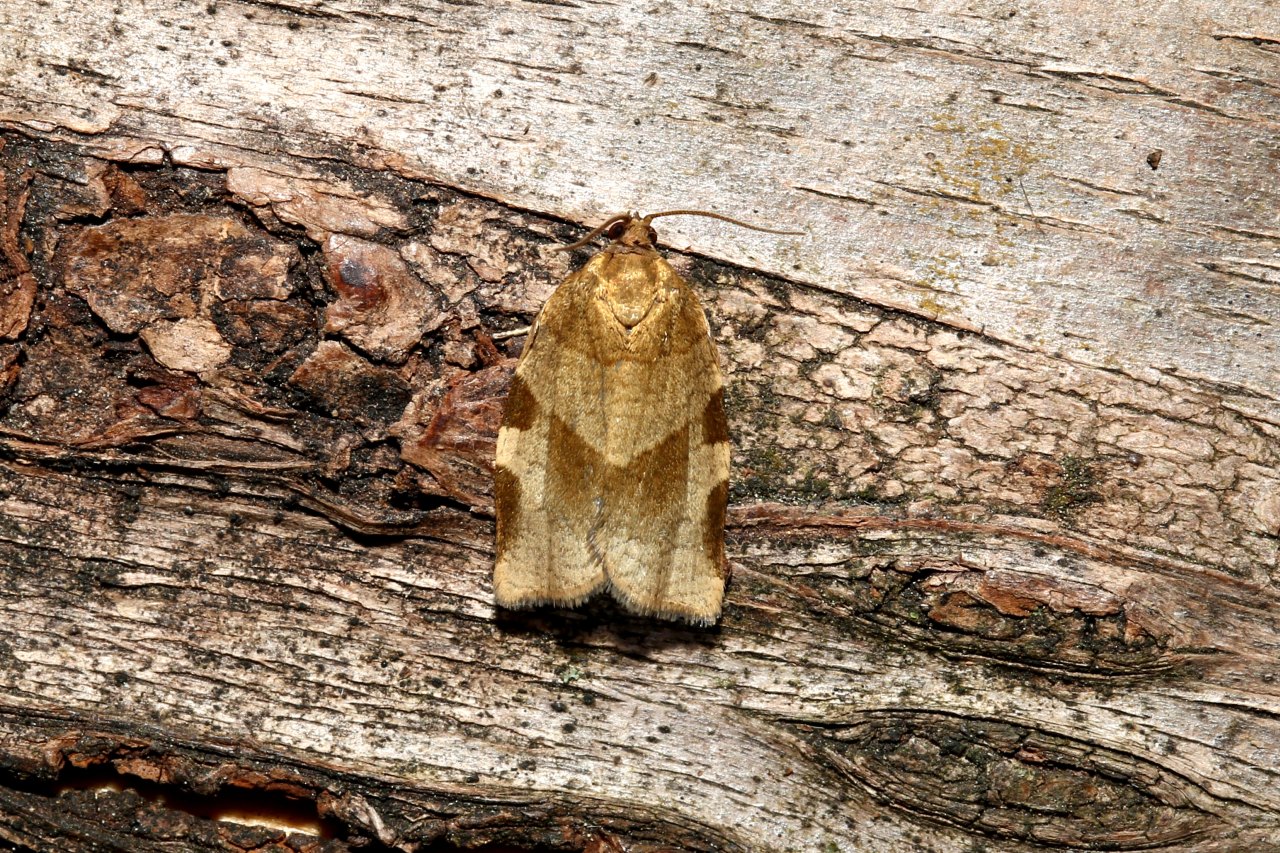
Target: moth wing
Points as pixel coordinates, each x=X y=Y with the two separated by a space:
x=663 y=530
x=545 y=489
x=613 y=457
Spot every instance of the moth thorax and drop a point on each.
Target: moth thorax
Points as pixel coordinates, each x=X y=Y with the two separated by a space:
x=631 y=287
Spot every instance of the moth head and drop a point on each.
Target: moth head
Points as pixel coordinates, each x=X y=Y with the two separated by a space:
x=622 y=229
x=633 y=232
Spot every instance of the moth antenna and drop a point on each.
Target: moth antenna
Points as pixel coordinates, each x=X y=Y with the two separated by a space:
x=595 y=232
x=721 y=217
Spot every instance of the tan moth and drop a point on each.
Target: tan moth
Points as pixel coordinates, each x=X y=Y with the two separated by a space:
x=613 y=457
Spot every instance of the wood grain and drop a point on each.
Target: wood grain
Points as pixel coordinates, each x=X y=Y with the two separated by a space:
x=1005 y=518
x=989 y=167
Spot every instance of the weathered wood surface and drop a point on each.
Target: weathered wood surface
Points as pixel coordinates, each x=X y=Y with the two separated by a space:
x=1006 y=510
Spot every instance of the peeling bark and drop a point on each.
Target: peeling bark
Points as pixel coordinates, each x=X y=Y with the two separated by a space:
x=986 y=593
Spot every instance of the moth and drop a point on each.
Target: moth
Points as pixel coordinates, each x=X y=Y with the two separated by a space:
x=613 y=457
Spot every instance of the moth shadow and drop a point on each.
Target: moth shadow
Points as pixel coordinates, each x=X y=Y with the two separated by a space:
x=603 y=623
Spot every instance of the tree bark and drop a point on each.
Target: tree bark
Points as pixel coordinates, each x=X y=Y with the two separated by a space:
x=1005 y=509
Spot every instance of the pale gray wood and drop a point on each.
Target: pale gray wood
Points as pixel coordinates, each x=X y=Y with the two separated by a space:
x=1053 y=403
x=986 y=164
